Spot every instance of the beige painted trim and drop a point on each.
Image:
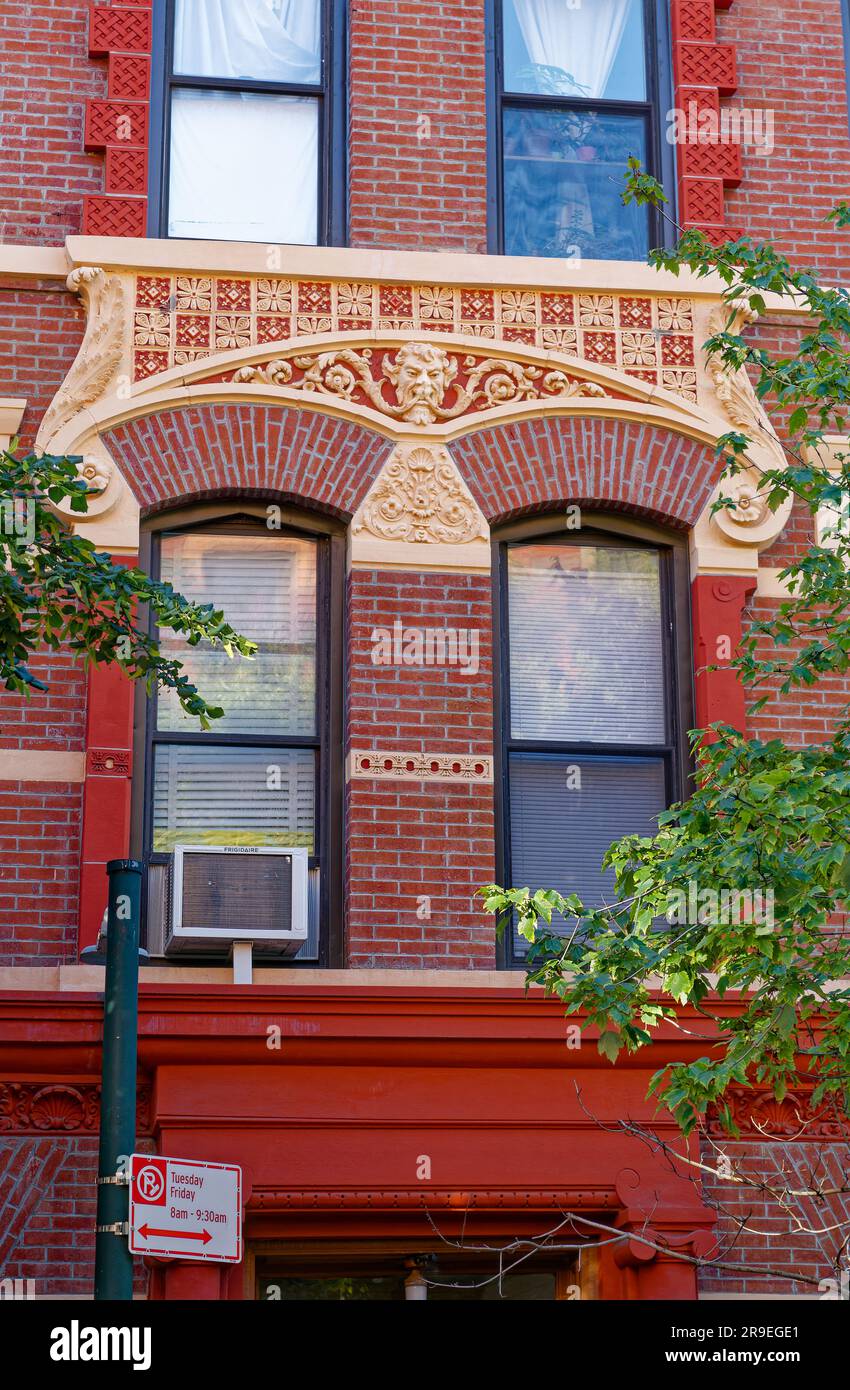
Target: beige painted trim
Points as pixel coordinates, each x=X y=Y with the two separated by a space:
x=41 y=765
x=770 y=585
x=344 y=263
x=35 y=262
x=89 y=978
x=11 y=414
x=389 y=766
x=448 y=559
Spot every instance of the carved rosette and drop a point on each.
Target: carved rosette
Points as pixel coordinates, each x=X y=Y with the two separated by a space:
x=420 y=497
x=421 y=384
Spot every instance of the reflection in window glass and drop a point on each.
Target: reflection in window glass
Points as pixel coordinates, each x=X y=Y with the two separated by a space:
x=261 y=40
x=220 y=795
x=594 y=50
x=563 y=179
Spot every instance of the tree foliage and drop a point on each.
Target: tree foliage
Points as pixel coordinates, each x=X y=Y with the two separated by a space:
x=740 y=895
x=59 y=591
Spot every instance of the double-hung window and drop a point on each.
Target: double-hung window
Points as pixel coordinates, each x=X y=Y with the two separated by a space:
x=594 y=701
x=264 y=774
x=577 y=94
x=250 y=123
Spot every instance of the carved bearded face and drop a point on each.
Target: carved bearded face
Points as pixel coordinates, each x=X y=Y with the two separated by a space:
x=421 y=375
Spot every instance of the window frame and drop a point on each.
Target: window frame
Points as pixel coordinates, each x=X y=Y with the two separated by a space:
x=330 y=92
x=599 y=528
x=659 y=99
x=328 y=741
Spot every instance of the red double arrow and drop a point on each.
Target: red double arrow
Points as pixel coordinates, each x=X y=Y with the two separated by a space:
x=147 y=1231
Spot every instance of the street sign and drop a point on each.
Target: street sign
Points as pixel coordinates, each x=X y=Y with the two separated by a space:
x=180 y=1207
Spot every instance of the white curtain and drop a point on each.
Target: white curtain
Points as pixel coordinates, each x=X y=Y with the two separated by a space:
x=272 y=40
x=582 y=41
x=244 y=167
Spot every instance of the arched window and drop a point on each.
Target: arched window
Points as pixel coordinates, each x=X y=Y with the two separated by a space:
x=269 y=772
x=595 y=696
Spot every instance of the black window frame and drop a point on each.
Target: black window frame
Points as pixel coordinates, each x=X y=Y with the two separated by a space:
x=330 y=91
x=661 y=162
x=598 y=529
x=237 y=517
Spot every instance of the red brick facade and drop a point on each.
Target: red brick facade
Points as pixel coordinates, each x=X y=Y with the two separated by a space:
x=461 y=1065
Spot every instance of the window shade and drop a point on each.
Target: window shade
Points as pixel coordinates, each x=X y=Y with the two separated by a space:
x=566 y=811
x=266 y=586
x=222 y=183
x=586 y=644
x=218 y=795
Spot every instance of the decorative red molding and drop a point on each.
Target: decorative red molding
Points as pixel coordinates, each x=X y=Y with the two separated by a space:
x=118 y=125
x=703 y=71
x=28 y=1107
x=718 y=614
x=758 y=1115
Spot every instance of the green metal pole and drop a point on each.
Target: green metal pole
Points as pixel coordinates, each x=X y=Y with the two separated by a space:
x=113 y=1263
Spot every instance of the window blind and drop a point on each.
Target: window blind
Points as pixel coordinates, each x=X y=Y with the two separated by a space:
x=586 y=644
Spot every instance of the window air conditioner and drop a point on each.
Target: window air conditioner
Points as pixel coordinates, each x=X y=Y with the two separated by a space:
x=221 y=894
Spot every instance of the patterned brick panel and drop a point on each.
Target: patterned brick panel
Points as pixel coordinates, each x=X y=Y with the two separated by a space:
x=526 y=467
x=703 y=71
x=120 y=124
x=47 y=1213
x=126 y=169
x=417 y=852
x=756 y=1231
x=268 y=451
x=46 y=78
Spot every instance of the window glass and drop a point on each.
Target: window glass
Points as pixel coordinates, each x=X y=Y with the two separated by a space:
x=217 y=794
x=586 y=644
x=594 y=49
x=266 y=586
x=261 y=40
x=566 y=811
x=221 y=183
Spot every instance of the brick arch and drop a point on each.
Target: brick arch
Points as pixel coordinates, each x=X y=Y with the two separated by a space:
x=218 y=449
x=531 y=464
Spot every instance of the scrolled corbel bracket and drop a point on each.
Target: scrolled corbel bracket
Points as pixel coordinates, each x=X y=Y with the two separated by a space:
x=69 y=427
x=731 y=537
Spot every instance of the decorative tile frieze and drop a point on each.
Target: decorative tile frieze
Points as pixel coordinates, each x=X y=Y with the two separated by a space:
x=255 y=311
x=420 y=767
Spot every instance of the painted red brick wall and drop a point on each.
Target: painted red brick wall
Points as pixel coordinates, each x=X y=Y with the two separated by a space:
x=409 y=840
x=46 y=76
x=417 y=125
x=39 y=872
